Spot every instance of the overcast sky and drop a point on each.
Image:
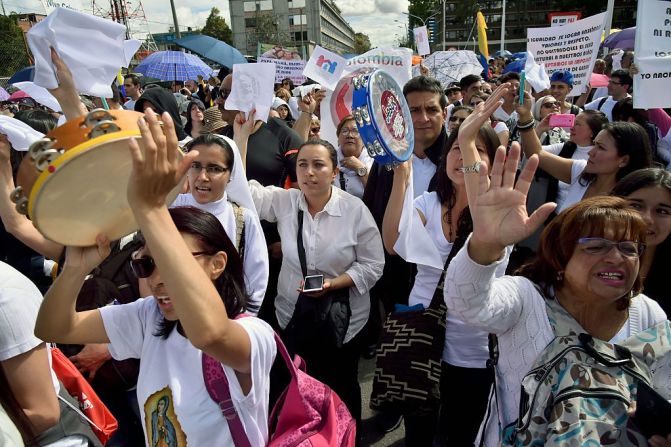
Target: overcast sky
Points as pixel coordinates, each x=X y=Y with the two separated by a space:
x=381 y=20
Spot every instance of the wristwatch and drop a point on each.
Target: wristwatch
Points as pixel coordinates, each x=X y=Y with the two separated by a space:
x=472 y=169
x=362 y=171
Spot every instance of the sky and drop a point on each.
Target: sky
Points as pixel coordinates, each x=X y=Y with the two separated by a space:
x=382 y=20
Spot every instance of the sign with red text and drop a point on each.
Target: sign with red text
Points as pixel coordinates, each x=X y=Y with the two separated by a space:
x=563 y=18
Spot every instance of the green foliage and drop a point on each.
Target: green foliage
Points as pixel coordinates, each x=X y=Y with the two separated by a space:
x=420 y=8
x=361 y=43
x=13 y=54
x=267 y=30
x=216 y=26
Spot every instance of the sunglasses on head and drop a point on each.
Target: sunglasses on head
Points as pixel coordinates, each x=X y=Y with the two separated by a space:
x=144 y=266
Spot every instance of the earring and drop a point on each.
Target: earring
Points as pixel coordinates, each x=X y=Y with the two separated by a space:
x=560 y=276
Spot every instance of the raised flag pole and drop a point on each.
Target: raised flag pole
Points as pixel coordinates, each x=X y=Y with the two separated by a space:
x=503 y=27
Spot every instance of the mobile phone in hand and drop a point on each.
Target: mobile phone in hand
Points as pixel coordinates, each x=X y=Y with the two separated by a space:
x=313 y=283
x=565 y=120
x=653 y=412
x=523 y=78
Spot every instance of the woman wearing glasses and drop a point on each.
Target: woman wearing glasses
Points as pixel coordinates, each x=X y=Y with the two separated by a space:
x=542 y=110
x=196 y=279
x=586 y=276
x=353 y=161
x=217 y=184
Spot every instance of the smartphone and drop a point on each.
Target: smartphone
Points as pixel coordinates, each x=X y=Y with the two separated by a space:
x=653 y=412
x=313 y=283
x=566 y=120
x=523 y=78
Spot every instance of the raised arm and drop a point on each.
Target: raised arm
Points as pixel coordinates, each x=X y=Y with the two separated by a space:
x=242 y=129
x=157 y=168
x=307 y=107
x=66 y=93
x=556 y=166
x=392 y=214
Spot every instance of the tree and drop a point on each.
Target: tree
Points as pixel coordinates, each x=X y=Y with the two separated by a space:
x=267 y=30
x=13 y=54
x=216 y=26
x=361 y=43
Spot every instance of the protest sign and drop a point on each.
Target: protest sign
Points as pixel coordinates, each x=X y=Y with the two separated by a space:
x=278 y=52
x=451 y=66
x=422 y=40
x=573 y=47
x=652 y=54
x=292 y=69
x=325 y=67
x=252 y=89
x=51 y=5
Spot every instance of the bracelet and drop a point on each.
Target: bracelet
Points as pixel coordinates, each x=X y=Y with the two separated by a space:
x=526 y=125
x=472 y=169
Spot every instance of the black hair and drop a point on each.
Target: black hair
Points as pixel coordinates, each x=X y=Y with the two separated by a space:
x=467 y=108
x=624 y=76
x=425 y=84
x=469 y=80
x=655 y=282
x=291 y=83
x=193 y=102
x=632 y=140
x=212 y=238
x=596 y=119
x=40 y=120
x=209 y=139
x=623 y=110
x=135 y=79
x=510 y=76
x=333 y=154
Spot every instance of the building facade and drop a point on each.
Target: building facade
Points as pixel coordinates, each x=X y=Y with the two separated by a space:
x=289 y=23
x=520 y=15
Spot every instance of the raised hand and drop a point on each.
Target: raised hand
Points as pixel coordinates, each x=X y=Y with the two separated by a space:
x=84 y=259
x=524 y=110
x=499 y=210
x=158 y=166
x=468 y=130
x=242 y=127
x=66 y=93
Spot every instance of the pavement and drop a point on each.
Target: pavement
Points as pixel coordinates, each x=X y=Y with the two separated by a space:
x=372 y=436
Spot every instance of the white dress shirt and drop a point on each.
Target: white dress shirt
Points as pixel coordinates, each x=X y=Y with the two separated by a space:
x=353 y=183
x=342 y=238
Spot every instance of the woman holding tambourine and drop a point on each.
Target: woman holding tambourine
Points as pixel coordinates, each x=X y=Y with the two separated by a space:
x=332 y=258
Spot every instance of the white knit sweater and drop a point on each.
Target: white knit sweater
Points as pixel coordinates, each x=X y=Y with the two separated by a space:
x=512 y=308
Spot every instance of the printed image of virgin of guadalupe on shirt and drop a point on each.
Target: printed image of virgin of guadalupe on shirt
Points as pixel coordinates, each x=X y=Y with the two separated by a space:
x=162 y=426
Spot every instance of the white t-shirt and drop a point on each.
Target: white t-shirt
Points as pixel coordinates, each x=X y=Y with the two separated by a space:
x=607 y=107
x=423 y=170
x=465 y=345
x=255 y=262
x=581 y=153
x=350 y=179
x=171 y=390
x=576 y=189
x=500 y=127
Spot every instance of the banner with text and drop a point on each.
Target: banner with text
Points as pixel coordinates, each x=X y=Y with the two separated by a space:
x=51 y=5
x=652 y=54
x=292 y=69
x=573 y=47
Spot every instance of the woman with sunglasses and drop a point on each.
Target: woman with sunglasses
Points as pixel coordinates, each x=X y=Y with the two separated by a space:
x=196 y=278
x=587 y=273
x=354 y=163
x=648 y=191
x=542 y=110
x=218 y=185
x=619 y=148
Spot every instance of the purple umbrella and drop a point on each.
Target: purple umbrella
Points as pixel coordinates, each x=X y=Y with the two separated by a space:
x=4 y=96
x=621 y=39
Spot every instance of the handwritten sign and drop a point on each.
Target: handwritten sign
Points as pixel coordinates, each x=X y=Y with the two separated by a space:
x=652 y=54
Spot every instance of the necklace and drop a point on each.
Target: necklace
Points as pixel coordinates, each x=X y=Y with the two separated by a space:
x=449 y=223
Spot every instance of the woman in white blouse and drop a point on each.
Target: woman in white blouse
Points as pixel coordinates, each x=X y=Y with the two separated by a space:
x=340 y=242
x=619 y=148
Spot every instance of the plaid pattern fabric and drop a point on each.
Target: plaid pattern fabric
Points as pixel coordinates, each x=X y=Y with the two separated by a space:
x=173 y=66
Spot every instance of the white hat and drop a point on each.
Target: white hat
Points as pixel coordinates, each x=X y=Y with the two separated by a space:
x=277 y=102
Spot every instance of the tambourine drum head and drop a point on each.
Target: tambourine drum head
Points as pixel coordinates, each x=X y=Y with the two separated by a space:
x=392 y=115
x=85 y=195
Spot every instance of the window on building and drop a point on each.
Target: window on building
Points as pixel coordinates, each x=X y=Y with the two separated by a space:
x=299 y=36
x=258 y=5
x=250 y=23
x=296 y=4
x=298 y=19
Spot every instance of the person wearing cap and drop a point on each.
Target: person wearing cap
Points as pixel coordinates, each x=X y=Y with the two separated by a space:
x=561 y=83
x=212 y=121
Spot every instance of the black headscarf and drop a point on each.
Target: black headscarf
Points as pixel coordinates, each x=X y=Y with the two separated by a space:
x=161 y=101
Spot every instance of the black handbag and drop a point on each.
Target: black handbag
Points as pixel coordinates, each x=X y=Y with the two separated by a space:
x=410 y=350
x=317 y=323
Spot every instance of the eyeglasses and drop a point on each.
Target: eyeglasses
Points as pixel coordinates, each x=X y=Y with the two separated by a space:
x=601 y=246
x=353 y=132
x=315 y=129
x=456 y=118
x=144 y=266
x=550 y=105
x=212 y=170
x=610 y=81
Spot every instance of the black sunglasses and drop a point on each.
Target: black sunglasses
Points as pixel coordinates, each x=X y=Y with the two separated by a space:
x=144 y=266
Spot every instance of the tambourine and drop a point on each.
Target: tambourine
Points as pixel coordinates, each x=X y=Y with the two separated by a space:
x=382 y=117
x=72 y=183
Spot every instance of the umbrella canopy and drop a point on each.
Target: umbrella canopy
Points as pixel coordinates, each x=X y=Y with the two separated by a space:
x=4 y=96
x=504 y=53
x=173 y=66
x=212 y=49
x=622 y=39
x=25 y=74
x=451 y=66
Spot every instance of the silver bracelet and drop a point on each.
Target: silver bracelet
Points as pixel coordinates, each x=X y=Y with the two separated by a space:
x=472 y=169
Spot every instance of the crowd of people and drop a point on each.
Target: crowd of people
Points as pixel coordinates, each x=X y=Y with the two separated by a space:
x=546 y=232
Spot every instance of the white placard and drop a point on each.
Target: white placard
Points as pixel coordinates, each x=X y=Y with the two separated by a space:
x=536 y=75
x=325 y=67
x=252 y=88
x=571 y=47
x=292 y=69
x=18 y=133
x=422 y=40
x=652 y=54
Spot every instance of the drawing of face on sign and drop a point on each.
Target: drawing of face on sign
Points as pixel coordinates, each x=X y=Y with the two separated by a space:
x=162 y=426
x=252 y=88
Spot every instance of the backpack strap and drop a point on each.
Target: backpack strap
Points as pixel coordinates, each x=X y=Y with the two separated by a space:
x=239 y=213
x=602 y=102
